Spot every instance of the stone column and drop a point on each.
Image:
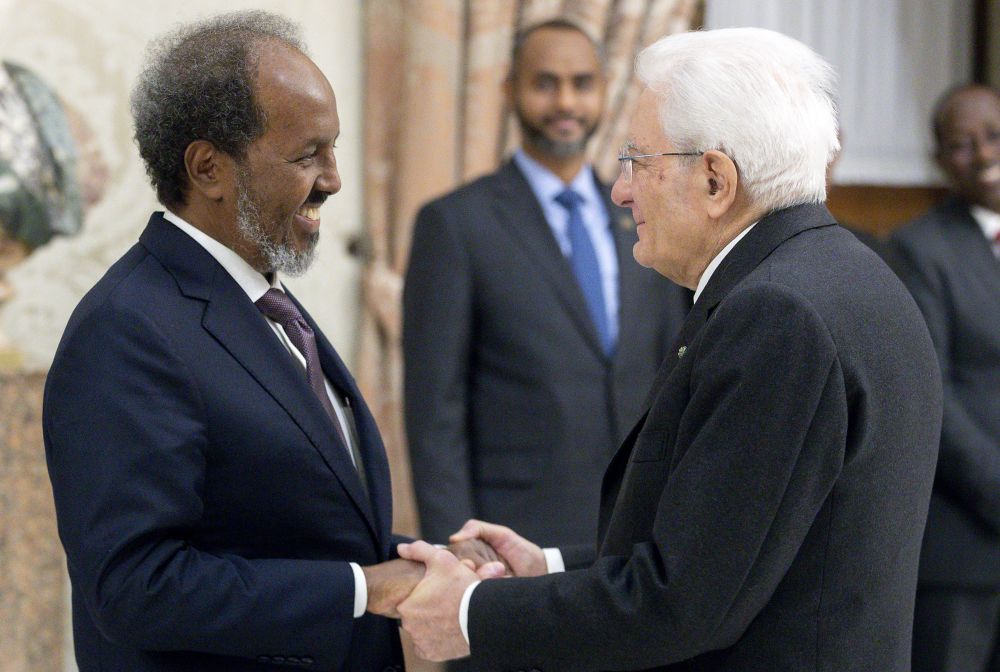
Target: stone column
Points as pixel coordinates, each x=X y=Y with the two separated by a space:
x=32 y=564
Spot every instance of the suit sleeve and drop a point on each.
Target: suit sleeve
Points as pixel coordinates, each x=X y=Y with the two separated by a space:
x=437 y=332
x=762 y=438
x=126 y=444
x=969 y=459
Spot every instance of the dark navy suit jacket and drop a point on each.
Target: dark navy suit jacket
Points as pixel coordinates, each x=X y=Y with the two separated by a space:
x=765 y=514
x=953 y=274
x=206 y=504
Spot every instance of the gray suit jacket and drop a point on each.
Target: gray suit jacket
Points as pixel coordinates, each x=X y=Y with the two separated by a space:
x=512 y=408
x=766 y=512
x=955 y=278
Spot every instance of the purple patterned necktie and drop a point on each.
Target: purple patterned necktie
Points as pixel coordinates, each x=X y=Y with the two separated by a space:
x=276 y=305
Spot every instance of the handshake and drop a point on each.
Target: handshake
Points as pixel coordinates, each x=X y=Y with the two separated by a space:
x=425 y=588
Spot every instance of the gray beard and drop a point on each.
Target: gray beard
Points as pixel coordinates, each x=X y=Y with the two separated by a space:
x=280 y=257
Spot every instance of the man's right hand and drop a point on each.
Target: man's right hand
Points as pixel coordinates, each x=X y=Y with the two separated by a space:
x=389 y=583
x=522 y=556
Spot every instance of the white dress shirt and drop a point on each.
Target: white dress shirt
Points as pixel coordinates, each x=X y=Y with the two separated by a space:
x=256 y=285
x=989 y=222
x=714 y=264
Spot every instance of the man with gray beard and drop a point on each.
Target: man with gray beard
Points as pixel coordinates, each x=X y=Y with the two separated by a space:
x=221 y=488
x=530 y=335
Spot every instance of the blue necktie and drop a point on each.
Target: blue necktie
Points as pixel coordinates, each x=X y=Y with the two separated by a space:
x=584 y=261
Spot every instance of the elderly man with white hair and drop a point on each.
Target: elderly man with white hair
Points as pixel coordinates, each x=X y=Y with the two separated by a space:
x=766 y=512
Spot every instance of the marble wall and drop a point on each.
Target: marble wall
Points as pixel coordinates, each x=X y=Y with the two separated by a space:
x=32 y=582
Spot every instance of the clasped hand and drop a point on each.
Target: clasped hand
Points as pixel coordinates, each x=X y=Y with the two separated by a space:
x=425 y=587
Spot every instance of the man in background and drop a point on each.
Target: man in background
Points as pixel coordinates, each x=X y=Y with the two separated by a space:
x=530 y=334
x=951 y=264
x=221 y=489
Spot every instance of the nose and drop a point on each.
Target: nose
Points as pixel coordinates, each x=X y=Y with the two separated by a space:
x=621 y=192
x=566 y=96
x=329 y=179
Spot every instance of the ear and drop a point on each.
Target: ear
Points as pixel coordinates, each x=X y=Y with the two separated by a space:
x=721 y=179
x=209 y=170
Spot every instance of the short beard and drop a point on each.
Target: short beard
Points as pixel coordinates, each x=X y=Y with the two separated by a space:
x=278 y=256
x=535 y=136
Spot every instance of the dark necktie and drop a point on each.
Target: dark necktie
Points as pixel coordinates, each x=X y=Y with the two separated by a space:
x=276 y=305
x=583 y=258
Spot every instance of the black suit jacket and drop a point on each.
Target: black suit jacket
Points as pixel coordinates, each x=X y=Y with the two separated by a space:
x=953 y=274
x=512 y=408
x=766 y=512
x=207 y=506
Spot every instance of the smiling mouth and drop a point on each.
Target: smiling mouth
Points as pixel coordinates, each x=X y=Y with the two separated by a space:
x=310 y=212
x=565 y=123
x=990 y=175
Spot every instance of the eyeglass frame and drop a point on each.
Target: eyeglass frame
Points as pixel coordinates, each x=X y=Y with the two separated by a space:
x=625 y=161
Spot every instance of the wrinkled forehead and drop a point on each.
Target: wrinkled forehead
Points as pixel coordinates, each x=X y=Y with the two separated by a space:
x=645 y=130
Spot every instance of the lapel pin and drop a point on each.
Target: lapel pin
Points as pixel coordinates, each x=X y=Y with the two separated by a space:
x=681 y=350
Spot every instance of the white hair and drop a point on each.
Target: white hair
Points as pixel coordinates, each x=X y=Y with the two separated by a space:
x=762 y=98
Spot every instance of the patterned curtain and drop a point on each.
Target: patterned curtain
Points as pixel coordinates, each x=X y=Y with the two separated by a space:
x=435 y=118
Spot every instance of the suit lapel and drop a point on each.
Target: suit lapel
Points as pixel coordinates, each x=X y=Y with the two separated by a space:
x=967 y=242
x=770 y=232
x=613 y=475
x=518 y=209
x=239 y=327
x=373 y=455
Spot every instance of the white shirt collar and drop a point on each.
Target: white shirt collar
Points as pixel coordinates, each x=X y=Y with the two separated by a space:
x=251 y=281
x=547 y=185
x=988 y=221
x=714 y=264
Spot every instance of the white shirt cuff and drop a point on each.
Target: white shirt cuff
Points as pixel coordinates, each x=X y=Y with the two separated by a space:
x=463 y=611
x=360 y=590
x=554 y=560
x=554 y=563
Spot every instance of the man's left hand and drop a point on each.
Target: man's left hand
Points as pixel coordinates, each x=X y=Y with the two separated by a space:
x=430 y=613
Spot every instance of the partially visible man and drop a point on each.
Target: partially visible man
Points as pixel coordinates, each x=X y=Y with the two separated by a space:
x=530 y=335
x=221 y=489
x=951 y=264
x=766 y=511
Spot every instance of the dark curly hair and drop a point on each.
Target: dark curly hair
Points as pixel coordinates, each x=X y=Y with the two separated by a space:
x=198 y=84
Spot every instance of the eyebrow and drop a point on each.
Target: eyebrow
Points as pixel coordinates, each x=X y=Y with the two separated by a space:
x=630 y=146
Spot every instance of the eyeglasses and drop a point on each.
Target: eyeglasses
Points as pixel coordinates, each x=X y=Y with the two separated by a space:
x=625 y=160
